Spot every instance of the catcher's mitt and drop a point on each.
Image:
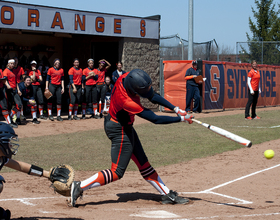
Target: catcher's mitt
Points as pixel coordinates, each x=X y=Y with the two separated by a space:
x=48 y=94
x=198 y=79
x=62 y=177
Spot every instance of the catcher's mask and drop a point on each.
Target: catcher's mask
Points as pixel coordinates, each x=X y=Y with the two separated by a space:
x=139 y=82
x=8 y=137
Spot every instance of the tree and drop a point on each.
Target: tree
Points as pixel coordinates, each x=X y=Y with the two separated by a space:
x=266 y=28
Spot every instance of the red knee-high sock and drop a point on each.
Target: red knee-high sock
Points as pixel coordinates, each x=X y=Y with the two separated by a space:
x=151 y=176
x=71 y=106
x=5 y=113
x=99 y=179
x=76 y=106
x=84 y=106
x=94 y=106
x=41 y=109
x=50 y=109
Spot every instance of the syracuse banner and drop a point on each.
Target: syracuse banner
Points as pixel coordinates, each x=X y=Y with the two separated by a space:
x=40 y=18
x=226 y=84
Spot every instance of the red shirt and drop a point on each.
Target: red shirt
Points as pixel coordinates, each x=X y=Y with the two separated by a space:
x=101 y=75
x=11 y=78
x=18 y=72
x=1 y=76
x=77 y=75
x=37 y=74
x=123 y=107
x=55 y=75
x=255 y=79
x=90 y=81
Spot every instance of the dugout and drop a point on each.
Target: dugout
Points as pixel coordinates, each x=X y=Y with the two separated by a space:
x=45 y=33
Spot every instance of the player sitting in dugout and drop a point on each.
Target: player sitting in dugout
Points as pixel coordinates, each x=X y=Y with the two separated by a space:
x=27 y=98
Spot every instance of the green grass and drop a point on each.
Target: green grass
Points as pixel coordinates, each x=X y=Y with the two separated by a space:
x=163 y=144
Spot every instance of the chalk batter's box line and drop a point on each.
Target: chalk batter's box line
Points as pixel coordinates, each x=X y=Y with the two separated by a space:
x=241 y=201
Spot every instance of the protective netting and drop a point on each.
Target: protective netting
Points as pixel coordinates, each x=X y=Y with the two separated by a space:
x=175 y=48
x=264 y=52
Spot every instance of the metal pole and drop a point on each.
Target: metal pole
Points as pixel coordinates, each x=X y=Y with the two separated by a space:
x=161 y=81
x=262 y=51
x=190 y=51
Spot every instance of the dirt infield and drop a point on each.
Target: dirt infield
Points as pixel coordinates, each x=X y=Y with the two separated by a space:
x=239 y=184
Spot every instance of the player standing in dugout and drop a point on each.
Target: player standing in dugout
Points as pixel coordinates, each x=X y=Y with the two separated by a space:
x=75 y=89
x=125 y=104
x=55 y=84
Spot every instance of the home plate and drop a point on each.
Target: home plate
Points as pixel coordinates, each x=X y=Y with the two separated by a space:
x=156 y=214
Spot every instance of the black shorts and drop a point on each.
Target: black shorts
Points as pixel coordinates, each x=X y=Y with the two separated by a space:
x=38 y=94
x=13 y=98
x=101 y=92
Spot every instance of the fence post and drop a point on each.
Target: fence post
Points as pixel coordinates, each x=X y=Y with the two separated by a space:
x=161 y=82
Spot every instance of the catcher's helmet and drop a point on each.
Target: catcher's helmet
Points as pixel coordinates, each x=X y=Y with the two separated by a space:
x=7 y=138
x=139 y=82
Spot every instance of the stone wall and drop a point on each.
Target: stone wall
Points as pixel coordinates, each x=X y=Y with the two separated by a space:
x=142 y=54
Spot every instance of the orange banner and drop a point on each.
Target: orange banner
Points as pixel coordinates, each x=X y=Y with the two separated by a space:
x=226 y=84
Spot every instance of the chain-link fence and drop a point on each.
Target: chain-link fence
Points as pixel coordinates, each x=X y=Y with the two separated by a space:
x=175 y=48
x=264 y=52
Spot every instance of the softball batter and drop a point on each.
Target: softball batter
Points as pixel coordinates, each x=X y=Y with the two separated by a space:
x=125 y=104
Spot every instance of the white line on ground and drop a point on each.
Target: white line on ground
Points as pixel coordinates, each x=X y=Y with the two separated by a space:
x=26 y=200
x=245 y=126
x=210 y=191
x=231 y=216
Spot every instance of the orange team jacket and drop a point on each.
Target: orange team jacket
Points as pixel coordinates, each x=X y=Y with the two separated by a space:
x=77 y=75
x=18 y=73
x=90 y=81
x=11 y=78
x=55 y=75
x=255 y=79
x=37 y=74
x=101 y=75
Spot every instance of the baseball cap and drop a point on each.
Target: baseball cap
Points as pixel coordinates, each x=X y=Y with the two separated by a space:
x=194 y=62
x=33 y=62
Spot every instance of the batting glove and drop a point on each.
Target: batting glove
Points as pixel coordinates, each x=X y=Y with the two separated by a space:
x=179 y=111
x=187 y=118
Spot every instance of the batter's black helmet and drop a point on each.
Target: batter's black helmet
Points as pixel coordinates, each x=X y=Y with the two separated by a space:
x=7 y=138
x=139 y=82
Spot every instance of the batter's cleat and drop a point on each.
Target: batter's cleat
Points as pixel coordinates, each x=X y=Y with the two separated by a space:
x=76 y=192
x=13 y=124
x=18 y=121
x=173 y=198
x=43 y=117
x=248 y=118
x=35 y=121
x=69 y=117
x=59 y=118
x=83 y=116
x=257 y=117
x=51 y=118
x=75 y=117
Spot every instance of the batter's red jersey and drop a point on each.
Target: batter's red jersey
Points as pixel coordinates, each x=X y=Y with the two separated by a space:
x=37 y=74
x=11 y=78
x=255 y=79
x=18 y=72
x=77 y=75
x=123 y=107
x=101 y=75
x=55 y=75
x=90 y=81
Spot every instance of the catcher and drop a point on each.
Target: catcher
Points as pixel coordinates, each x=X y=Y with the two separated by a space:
x=61 y=176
